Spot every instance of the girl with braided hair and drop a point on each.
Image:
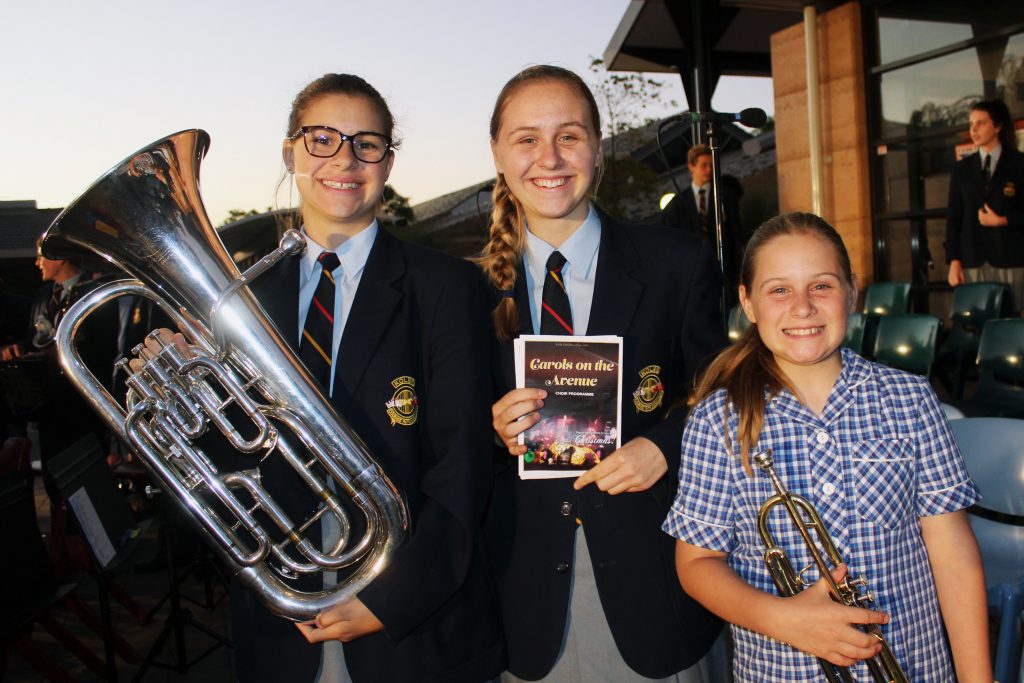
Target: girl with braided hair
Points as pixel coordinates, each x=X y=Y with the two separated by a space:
x=584 y=574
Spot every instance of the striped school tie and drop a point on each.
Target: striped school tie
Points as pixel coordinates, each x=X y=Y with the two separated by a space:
x=555 y=315
x=316 y=344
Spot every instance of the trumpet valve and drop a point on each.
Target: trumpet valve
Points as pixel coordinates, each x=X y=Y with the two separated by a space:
x=863 y=599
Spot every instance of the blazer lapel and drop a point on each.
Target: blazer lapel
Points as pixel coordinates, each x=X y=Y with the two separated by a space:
x=522 y=296
x=278 y=292
x=999 y=173
x=691 y=207
x=375 y=302
x=616 y=292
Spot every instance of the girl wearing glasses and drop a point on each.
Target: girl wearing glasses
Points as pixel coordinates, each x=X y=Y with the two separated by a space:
x=585 y=576
x=404 y=362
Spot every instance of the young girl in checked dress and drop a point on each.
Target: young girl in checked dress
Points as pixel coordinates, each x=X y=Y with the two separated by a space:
x=867 y=445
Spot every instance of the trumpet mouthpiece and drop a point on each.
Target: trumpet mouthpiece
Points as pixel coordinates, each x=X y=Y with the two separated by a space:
x=763 y=459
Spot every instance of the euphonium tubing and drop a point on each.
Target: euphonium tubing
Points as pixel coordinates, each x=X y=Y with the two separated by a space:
x=146 y=216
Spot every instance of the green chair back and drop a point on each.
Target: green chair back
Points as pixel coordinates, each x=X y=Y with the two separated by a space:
x=887 y=298
x=1000 y=389
x=738 y=323
x=973 y=305
x=855 y=325
x=907 y=342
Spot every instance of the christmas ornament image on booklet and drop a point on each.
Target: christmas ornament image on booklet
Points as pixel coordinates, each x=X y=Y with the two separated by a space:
x=579 y=423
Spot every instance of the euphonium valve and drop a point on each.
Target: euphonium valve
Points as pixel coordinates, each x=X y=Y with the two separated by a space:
x=884 y=667
x=238 y=377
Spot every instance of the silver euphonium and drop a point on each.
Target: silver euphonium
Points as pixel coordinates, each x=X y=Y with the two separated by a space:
x=146 y=217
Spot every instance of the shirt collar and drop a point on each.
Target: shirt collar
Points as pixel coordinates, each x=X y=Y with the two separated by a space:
x=996 y=152
x=698 y=188
x=579 y=250
x=352 y=253
x=66 y=285
x=854 y=372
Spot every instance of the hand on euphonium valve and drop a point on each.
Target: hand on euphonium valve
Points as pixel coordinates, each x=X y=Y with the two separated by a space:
x=151 y=347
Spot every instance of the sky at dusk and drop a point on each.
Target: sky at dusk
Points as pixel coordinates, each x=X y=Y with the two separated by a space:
x=86 y=84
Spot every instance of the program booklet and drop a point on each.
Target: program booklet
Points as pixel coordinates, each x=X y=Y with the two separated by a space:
x=579 y=423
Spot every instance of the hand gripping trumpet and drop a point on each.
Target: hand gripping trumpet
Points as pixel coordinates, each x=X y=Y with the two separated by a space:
x=146 y=216
x=884 y=667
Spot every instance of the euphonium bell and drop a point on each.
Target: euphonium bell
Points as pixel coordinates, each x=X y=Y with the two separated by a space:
x=146 y=217
x=884 y=667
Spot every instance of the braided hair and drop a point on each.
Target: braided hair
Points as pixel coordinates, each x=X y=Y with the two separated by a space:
x=501 y=255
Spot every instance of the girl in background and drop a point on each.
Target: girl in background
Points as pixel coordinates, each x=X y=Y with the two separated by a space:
x=867 y=445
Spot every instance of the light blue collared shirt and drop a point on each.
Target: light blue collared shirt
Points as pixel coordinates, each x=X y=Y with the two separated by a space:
x=996 y=152
x=352 y=253
x=579 y=272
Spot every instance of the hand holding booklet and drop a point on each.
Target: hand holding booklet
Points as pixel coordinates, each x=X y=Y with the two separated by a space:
x=579 y=422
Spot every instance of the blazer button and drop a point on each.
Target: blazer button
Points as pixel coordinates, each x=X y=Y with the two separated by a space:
x=566 y=508
x=562 y=568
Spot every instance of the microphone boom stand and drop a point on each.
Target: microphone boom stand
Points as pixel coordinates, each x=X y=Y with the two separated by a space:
x=716 y=202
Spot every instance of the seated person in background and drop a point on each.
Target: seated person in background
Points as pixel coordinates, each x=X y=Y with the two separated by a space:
x=66 y=416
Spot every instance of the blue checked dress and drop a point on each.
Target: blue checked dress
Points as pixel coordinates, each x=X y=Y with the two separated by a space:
x=880 y=456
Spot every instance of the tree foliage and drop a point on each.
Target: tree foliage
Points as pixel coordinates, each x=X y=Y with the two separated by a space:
x=628 y=103
x=396 y=207
x=238 y=214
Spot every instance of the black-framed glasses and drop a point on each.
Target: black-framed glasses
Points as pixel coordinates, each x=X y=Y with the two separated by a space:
x=324 y=141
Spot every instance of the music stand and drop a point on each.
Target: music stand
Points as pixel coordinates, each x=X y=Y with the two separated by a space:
x=83 y=478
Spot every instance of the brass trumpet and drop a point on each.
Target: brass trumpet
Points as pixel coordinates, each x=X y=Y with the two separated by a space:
x=884 y=667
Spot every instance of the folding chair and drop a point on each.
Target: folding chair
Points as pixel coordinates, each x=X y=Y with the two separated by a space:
x=907 y=342
x=993 y=449
x=973 y=305
x=1000 y=390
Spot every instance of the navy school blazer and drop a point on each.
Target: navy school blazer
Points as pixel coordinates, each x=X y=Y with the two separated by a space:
x=417 y=314
x=966 y=239
x=660 y=290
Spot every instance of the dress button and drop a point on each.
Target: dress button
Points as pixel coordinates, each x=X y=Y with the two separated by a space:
x=565 y=508
x=562 y=568
x=822 y=437
x=828 y=489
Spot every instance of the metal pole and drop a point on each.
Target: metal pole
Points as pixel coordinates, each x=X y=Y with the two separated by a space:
x=813 y=110
x=701 y=66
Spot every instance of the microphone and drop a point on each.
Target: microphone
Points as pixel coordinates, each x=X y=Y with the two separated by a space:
x=751 y=117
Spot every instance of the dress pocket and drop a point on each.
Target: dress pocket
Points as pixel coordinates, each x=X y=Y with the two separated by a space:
x=883 y=471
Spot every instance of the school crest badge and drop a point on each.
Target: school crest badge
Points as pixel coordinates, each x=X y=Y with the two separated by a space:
x=1010 y=189
x=404 y=406
x=650 y=393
